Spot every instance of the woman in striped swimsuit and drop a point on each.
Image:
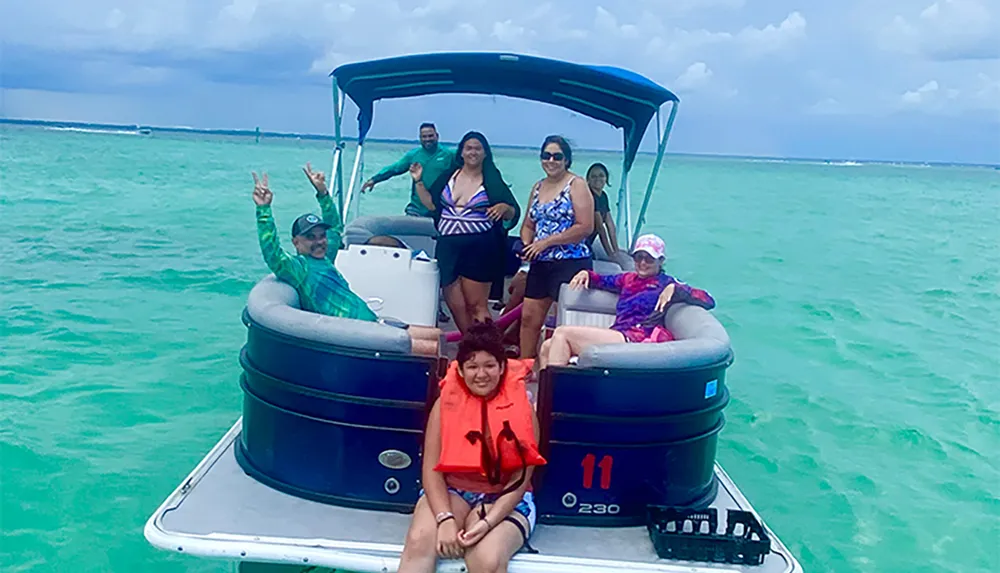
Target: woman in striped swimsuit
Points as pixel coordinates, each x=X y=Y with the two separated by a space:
x=473 y=209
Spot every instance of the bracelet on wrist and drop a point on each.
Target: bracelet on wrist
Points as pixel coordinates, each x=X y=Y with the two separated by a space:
x=443 y=517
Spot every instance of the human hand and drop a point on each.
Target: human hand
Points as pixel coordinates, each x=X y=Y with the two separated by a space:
x=416 y=172
x=665 y=296
x=368 y=186
x=475 y=534
x=498 y=211
x=532 y=251
x=261 y=194
x=580 y=280
x=448 y=545
x=317 y=179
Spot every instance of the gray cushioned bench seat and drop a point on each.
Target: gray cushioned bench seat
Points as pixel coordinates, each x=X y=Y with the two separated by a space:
x=700 y=339
x=275 y=305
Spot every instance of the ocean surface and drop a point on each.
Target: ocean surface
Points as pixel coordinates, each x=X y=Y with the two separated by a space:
x=863 y=302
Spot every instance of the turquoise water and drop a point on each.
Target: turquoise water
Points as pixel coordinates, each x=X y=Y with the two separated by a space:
x=863 y=302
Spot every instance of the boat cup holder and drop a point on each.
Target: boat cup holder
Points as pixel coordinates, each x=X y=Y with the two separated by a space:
x=692 y=535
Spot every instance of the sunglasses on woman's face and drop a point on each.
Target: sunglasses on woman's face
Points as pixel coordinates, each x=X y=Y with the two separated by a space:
x=546 y=156
x=642 y=257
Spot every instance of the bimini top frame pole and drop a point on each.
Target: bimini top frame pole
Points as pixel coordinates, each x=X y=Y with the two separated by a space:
x=616 y=96
x=661 y=149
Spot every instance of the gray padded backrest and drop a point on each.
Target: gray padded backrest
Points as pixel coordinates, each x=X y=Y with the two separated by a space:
x=586 y=307
x=607 y=268
x=620 y=258
x=275 y=305
x=700 y=339
x=418 y=233
x=589 y=307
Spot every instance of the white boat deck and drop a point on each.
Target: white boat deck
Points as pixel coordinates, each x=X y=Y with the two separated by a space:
x=220 y=512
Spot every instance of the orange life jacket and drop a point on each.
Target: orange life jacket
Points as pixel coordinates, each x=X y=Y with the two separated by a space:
x=509 y=417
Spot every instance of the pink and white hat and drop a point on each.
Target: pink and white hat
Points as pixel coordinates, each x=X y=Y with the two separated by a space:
x=652 y=245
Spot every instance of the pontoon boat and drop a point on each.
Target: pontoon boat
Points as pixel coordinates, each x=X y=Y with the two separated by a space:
x=323 y=468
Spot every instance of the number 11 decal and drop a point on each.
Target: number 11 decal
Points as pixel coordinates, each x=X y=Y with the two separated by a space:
x=588 y=471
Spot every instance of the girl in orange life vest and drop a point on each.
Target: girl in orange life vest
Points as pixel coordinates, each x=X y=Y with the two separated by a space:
x=476 y=503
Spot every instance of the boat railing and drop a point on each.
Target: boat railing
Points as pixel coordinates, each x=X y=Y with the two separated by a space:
x=660 y=151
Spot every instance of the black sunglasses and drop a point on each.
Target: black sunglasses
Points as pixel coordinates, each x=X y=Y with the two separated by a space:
x=545 y=155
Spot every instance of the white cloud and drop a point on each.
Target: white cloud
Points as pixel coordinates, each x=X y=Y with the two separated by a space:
x=933 y=97
x=774 y=53
x=240 y=11
x=682 y=7
x=695 y=76
x=339 y=13
x=115 y=19
x=771 y=38
x=467 y=32
x=508 y=32
x=748 y=42
x=826 y=106
x=986 y=94
x=436 y=7
x=327 y=62
x=945 y=29
x=923 y=94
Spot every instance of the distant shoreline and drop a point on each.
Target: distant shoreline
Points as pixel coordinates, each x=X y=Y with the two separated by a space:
x=150 y=129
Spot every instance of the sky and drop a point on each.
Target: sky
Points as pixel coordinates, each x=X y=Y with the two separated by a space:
x=911 y=80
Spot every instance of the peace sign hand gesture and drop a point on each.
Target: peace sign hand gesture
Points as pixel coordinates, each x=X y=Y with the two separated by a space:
x=317 y=179
x=261 y=194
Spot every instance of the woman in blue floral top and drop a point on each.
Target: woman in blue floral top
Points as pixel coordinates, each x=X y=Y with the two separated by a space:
x=555 y=232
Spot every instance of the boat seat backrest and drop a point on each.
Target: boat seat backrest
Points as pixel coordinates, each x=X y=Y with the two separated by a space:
x=394 y=284
x=274 y=305
x=620 y=258
x=418 y=233
x=700 y=339
x=588 y=307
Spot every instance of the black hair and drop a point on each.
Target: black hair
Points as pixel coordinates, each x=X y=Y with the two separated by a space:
x=481 y=337
x=488 y=164
x=427 y=124
x=385 y=241
x=600 y=166
x=563 y=145
x=487 y=151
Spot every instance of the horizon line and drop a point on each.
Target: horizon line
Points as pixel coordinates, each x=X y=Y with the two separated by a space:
x=257 y=132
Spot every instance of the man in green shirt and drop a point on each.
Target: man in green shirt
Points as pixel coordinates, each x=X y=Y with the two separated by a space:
x=430 y=155
x=311 y=271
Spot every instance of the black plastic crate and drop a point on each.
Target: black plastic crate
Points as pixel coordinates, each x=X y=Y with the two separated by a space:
x=692 y=535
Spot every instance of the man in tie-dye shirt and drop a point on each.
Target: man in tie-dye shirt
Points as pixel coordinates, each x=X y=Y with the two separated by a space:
x=311 y=271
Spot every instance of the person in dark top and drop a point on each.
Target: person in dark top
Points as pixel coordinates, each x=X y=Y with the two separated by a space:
x=604 y=223
x=473 y=211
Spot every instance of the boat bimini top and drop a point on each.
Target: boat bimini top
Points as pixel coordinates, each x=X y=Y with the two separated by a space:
x=619 y=97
